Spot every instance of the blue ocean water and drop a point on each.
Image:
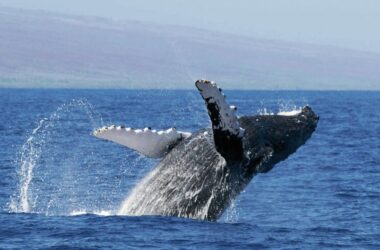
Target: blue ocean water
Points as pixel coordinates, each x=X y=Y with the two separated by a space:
x=60 y=187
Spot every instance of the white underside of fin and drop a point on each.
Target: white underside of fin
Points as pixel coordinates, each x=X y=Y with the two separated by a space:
x=149 y=142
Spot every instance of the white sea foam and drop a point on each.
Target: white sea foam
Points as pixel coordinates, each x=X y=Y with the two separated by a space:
x=84 y=212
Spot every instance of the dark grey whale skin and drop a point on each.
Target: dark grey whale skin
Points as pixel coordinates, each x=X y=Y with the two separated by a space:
x=195 y=181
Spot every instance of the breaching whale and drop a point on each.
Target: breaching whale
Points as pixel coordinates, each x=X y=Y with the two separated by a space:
x=201 y=173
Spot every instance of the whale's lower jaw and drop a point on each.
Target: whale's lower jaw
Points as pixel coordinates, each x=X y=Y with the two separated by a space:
x=192 y=181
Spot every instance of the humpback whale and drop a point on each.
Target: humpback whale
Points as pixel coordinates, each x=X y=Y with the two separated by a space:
x=201 y=173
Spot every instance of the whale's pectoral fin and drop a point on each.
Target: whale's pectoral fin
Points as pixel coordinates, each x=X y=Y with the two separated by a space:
x=149 y=142
x=226 y=128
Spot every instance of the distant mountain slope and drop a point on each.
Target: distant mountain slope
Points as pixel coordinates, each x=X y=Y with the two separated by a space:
x=53 y=50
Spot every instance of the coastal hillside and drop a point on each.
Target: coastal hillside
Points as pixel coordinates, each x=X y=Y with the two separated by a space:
x=42 y=49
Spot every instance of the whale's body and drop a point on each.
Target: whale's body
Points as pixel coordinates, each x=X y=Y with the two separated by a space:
x=192 y=181
x=200 y=174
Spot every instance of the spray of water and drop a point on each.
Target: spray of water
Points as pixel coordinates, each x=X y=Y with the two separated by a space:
x=231 y=215
x=29 y=156
x=281 y=107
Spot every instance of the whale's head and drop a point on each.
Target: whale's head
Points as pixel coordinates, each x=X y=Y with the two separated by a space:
x=269 y=139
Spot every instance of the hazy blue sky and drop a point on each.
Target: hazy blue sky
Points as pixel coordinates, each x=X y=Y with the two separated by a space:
x=345 y=23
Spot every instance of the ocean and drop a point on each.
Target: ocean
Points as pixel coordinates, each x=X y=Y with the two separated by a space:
x=60 y=187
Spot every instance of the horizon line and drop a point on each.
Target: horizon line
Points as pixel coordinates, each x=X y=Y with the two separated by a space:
x=187 y=89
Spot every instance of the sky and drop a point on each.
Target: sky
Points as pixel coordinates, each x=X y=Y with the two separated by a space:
x=344 y=23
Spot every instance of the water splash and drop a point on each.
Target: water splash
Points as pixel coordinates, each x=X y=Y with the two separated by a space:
x=30 y=153
x=282 y=107
x=265 y=111
x=84 y=212
x=231 y=215
x=29 y=157
x=288 y=106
